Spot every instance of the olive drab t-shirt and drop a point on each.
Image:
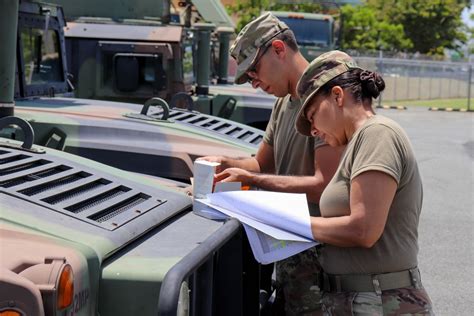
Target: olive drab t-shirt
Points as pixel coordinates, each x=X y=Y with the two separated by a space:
x=379 y=145
x=293 y=152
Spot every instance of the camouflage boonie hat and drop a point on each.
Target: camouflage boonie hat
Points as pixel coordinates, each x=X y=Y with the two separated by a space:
x=319 y=72
x=251 y=39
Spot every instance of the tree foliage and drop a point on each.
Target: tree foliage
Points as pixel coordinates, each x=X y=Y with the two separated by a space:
x=363 y=30
x=431 y=25
x=424 y=26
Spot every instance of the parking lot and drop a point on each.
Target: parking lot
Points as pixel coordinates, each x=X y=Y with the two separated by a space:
x=444 y=145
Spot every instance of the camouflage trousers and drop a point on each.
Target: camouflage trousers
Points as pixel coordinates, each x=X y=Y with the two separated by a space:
x=298 y=285
x=403 y=301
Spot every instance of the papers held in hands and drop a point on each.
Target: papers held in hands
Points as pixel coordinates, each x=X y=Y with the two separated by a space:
x=277 y=224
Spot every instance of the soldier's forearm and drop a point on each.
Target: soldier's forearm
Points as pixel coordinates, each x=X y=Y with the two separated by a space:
x=311 y=185
x=246 y=163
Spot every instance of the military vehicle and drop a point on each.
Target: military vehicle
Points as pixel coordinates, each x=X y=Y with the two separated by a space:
x=151 y=138
x=83 y=238
x=78 y=237
x=315 y=33
x=129 y=52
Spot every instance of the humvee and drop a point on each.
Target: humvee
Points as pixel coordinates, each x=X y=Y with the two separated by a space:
x=78 y=237
x=81 y=238
x=152 y=138
x=128 y=52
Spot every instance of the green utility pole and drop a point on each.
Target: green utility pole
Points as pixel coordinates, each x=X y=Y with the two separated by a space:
x=8 y=35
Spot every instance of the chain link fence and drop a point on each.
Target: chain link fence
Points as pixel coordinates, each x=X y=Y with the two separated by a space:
x=408 y=79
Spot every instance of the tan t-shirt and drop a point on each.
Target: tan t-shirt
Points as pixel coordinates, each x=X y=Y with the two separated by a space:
x=381 y=145
x=293 y=152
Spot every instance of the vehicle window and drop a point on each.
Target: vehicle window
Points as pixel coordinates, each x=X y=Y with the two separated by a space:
x=188 y=65
x=41 y=56
x=310 y=32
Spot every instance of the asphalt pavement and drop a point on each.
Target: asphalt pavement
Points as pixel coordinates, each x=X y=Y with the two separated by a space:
x=444 y=146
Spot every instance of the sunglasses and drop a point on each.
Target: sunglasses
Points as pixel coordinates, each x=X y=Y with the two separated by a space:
x=252 y=72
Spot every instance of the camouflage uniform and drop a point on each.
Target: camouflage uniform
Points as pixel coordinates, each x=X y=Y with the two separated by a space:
x=339 y=296
x=404 y=301
x=298 y=284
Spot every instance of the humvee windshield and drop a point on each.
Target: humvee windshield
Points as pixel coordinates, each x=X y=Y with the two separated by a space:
x=310 y=32
x=42 y=63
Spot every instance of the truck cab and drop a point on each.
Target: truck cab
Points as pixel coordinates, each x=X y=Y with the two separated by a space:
x=315 y=33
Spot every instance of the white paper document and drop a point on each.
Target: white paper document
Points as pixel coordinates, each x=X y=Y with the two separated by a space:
x=267 y=249
x=277 y=224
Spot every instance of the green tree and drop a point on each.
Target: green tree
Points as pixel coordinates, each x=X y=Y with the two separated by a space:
x=431 y=25
x=363 y=30
x=247 y=10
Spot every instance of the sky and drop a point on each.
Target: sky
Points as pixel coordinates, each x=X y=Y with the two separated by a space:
x=465 y=16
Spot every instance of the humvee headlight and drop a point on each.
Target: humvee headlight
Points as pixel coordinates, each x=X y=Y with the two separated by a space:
x=65 y=288
x=10 y=313
x=55 y=280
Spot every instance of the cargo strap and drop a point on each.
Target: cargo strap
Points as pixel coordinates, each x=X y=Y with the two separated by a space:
x=371 y=282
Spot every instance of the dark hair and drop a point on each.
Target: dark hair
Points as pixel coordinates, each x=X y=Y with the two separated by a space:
x=363 y=84
x=288 y=37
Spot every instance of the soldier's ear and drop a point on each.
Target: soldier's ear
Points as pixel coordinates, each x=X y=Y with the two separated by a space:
x=338 y=94
x=279 y=47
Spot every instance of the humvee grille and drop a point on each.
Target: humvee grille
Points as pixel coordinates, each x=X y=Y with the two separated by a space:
x=21 y=167
x=48 y=186
x=12 y=158
x=63 y=187
x=224 y=127
x=76 y=192
x=33 y=176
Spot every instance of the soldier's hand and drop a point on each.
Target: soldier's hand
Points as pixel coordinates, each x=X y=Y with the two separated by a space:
x=219 y=159
x=234 y=175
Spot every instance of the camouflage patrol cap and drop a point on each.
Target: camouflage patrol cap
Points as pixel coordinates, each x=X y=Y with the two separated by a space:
x=254 y=36
x=319 y=72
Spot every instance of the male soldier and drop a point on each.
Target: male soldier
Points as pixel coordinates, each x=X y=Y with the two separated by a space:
x=267 y=56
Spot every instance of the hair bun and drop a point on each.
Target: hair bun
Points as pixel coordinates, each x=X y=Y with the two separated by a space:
x=372 y=82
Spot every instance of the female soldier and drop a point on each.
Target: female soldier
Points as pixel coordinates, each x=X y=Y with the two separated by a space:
x=371 y=207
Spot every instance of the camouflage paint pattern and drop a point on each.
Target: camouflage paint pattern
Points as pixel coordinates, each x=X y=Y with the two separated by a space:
x=298 y=284
x=30 y=232
x=403 y=301
x=24 y=246
x=101 y=125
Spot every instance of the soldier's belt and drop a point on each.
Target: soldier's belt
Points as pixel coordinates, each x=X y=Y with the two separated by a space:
x=371 y=282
